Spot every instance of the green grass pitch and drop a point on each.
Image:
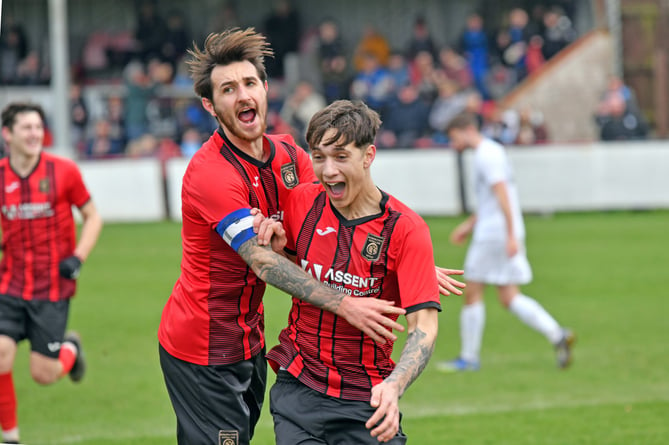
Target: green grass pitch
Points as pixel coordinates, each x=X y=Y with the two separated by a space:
x=603 y=274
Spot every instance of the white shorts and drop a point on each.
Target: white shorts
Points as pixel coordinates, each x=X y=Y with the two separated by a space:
x=488 y=263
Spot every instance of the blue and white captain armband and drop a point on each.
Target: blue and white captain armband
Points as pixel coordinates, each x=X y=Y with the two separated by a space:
x=236 y=228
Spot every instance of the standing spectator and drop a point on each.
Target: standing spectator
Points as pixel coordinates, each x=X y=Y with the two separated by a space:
x=177 y=39
x=283 y=30
x=449 y=103
x=41 y=257
x=496 y=255
x=332 y=61
x=425 y=76
x=372 y=42
x=558 y=32
x=79 y=116
x=13 y=50
x=421 y=39
x=140 y=90
x=150 y=31
x=474 y=46
x=398 y=68
x=455 y=67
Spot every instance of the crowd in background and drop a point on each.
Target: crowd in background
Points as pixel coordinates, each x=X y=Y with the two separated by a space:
x=417 y=88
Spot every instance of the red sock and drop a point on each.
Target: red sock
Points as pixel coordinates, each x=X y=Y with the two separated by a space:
x=8 y=418
x=67 y=357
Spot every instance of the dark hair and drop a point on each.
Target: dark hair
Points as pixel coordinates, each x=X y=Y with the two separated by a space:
x=462 y=121
x=11 y=110
x=229 y=46
x=353 y=121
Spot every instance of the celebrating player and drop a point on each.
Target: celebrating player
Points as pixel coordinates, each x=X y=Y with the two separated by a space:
x=335 y=384
x=496 y=255
x=41 y=257
x=211 y=332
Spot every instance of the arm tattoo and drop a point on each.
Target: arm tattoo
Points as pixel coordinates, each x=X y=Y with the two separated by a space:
x=283 y=274
x=415 y=355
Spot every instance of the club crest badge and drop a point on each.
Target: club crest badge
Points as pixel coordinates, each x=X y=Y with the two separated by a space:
x=228 y=437
x=289 y=175
x=371 y=251
x=44 y=185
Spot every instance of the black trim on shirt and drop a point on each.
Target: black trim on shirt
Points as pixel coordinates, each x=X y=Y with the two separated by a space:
x=245 y=156
x=354 y=222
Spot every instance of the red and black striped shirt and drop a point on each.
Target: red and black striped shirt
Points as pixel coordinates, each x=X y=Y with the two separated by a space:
x=38 y=228
x=214 y=315
x=387 y=255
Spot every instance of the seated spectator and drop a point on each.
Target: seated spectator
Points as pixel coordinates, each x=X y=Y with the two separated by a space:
x=373 y=84
x=531 y=128
x=13 y=50
x=103 y=144
x=79 y=116
x=404 y=119
x=618 y=122
x=191 y=141
x=455 y=67
x=425 y=76
x=299 y=107
x=31 y=71
x=450 y=102
x=398 y=68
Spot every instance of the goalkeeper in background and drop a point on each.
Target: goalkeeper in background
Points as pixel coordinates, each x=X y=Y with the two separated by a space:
x=41 y=257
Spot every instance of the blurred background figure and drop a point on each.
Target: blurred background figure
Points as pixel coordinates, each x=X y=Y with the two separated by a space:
x=332 y=61
x=299 y=107
x=283 y=30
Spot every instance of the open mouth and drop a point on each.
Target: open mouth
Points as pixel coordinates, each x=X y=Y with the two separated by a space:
x=247 y=115
x=336 y=189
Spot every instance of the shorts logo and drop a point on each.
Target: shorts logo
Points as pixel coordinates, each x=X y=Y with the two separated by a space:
x=228 y=437
x=371 y=251
x=289 y=175
x=44 y=185
x=53 y=346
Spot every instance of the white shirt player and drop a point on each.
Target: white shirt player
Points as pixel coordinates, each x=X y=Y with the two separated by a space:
x=491 y=166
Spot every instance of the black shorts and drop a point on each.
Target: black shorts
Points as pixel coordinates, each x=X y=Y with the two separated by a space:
x=216 y=404
x=305 y=416
x=42 y=322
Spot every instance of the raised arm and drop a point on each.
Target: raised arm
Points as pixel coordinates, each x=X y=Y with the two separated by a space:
x=502 y=195
x=423 y=327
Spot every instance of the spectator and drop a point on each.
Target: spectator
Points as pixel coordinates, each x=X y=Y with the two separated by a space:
x=191 y=141
x=405 y=119
x=79 y=115
x=372 y=42
x=282 y=28
x=140 y=89
x=398 y=68
x=455 y=67
x=514 y=55
x=150 y=32
x=114 y=115
x=618 y=122
x=299 y=107
x=372 y=84
x=558 y=32
x=177 y=39
x=450 y=102
x=424 y=76
x=421 y=39
x=103 y=143
x=31 y=71
x=474 y=46
x=332 y=61
x=13 y=50
x=531 y=128
x=225 y=18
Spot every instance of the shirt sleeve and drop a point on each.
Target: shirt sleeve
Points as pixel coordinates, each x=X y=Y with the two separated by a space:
x=416 y=274
x=493 y=165
x=77 y=193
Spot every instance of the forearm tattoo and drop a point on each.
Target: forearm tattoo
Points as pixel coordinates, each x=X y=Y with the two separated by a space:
x=283 y=274
x=416 y=353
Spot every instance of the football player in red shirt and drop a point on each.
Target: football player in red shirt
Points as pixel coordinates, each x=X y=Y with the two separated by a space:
x=41 y=256
x=334 y=383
